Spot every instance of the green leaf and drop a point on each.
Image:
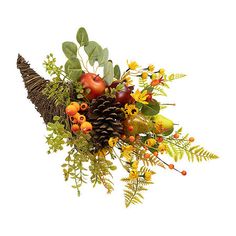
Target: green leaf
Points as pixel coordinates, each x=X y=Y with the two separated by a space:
x=69 y=49
x=139 y=105
x=56 y=118
x=117 y=72
x=151 y=109
x=108 y=73
x=74 y=74
x=94 y=52
x=73 y=63
x=82 y=37
x=104 y=57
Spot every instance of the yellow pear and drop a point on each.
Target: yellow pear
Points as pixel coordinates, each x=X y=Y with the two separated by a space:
x=163 y=125
x=140 y=124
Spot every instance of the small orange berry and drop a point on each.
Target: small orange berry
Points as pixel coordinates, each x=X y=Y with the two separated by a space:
x=130 y=128
x=159 y=139
x=155 y=82
x=147 y=155
x=183 y=172
x=74 y=128
x=191 y=139
x=155 y=154
x=75 y=118
x=81 y=119
x=131 y=139
x=86 y=127
x=84 y=106
x=71 y=110
x=176 y=135
x=123 y=136
x=76 y=104
x=171 y=166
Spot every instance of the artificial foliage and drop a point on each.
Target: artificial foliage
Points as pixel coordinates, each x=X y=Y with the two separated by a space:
x=107 y=118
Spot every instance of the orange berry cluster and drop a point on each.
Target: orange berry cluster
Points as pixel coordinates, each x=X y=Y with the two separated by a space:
x=78 y=120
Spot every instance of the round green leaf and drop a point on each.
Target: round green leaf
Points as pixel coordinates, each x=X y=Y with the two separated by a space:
x=74 y=74
x=108 y=73
x=117 y=72
x=94 y=52
x=69 y=49
x=82 y=37
x=151 y=109
x=104 y=57
x=73 y=63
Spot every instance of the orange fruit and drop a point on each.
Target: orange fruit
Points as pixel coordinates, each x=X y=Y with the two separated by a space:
x=171 y=166
x=147 y=155
x=86 y=127
x=155 y=154
x=76 y=104
x=131 y=139
x=81 y=119
x=74 y=128
x=130 y=128
x=176 y=135
x=123 y=136
x=191 y=139
x=84 y=106
x=159 y=139
x=75 y=118
x=71 y=110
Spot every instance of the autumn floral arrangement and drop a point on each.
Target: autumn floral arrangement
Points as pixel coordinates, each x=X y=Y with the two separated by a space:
x=103 y=120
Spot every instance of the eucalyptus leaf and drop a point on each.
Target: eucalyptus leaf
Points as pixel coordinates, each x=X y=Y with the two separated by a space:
x=94 y=52
x=117 y=72
x=74 y=74
x=69 y=49
x=151 y=109
x=108 y=73
x=73 y=63
x=104 y=58
x=82 y=37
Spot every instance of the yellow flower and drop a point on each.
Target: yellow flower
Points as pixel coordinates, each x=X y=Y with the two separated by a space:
x=128 y=81
x=140 y=96
x=151 y=68
x=162 y=148
x=133 y=65
x=154 y=76
x=133 y=174
x=132 y=110
x=102 y=153
x=151 y=142
x=112 y=141
x=162 y=71
x=144 y=75
x=148 y=175
x=126 y=152
x=135 y=165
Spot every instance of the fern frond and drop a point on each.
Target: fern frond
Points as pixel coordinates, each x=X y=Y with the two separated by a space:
x=152 y=161
x=134 y=189
x=177 y=148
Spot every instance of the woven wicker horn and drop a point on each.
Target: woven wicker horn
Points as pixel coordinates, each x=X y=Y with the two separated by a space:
x=35 y=84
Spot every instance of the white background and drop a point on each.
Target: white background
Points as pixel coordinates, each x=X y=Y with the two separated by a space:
x=192 y=37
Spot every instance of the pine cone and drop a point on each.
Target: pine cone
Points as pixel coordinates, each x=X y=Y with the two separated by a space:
x=106 y=116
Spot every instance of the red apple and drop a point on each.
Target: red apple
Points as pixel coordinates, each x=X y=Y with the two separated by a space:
x=123 y=96
x=94 y=83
